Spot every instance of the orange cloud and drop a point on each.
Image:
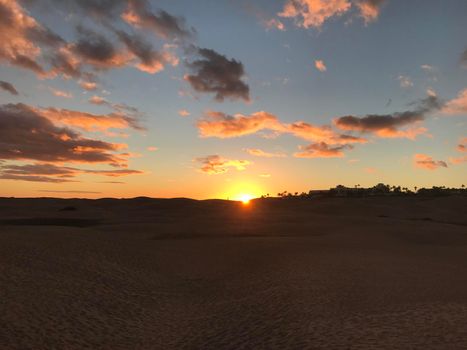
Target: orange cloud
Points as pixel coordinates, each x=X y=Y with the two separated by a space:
x=424 y=161
x=260 y=153
x=60 y=93
x=319 y=64
x=457 y=105
x=323 y=133
x=410 y=133
x=97 y=100
x=89 y=121
x=458 y=160
x=313 y=13
x=88 y=85
x=215 y=164
x=16 y=28
x=183 y=113
x=369 y=9
x=218 y=124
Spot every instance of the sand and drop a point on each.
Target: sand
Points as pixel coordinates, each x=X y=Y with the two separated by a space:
x=329 y=273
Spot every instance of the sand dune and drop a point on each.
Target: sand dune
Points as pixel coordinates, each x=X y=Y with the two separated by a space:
x=331 y=273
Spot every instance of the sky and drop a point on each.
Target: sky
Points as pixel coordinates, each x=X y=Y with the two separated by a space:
x=227 y=98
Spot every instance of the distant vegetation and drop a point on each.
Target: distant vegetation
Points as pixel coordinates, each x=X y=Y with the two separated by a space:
x=377 y=190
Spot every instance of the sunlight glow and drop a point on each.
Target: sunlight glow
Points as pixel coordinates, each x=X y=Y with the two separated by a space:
x=245 y=198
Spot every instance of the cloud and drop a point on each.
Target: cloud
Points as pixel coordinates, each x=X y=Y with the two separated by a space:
x=423 y=161
x=369 y=9
x=88 y=85
x=152 y=148
x=221 y=125
x=97 y=100
x=4 y=85
x=458 y=160
x=463 y=59
x=150 y=60
x=20 y=34
x=457 y=105
x=162 y=23
x=183 y=113
x=462 y=146
x=260 y=153
x=215 y=73
x=61 y=93
x=45 y=172
x=323 y=133
x=25 y=133
x=404 y=81
x=313 y=13
x=97 y=50
x=320 y=66
x=88 y=121
x=215 y=164
x=427 y=68
x=322 y=150
x=388 y=126
x=265 y=175
x=370 y=170
x=52 y=191
x=268 y=22
x=273 y=23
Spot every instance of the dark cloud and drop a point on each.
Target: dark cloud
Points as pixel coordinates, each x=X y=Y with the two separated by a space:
x=388 y=125
x=40 y=172
x=151 y=60
x=97 y=49
x=322 y=150
x=162 y=23
x=8 y=87
x=215 y=73
x=33 y=178
x=463 y=59
x=43 y=35
x=26 y=134
x=52 y=191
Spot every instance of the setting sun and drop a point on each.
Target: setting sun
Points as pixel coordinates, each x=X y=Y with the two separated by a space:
x=245 y=198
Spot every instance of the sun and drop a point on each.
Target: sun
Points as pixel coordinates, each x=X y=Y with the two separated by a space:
x=245 y=198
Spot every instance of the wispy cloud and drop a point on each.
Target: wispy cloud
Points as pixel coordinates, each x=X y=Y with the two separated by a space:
x=4 y=85
x=322 y=150
x=260 y=153
x=215 y=164
x=426 y=162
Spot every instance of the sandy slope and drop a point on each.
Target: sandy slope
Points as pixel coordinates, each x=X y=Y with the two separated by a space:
x=369 y=273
